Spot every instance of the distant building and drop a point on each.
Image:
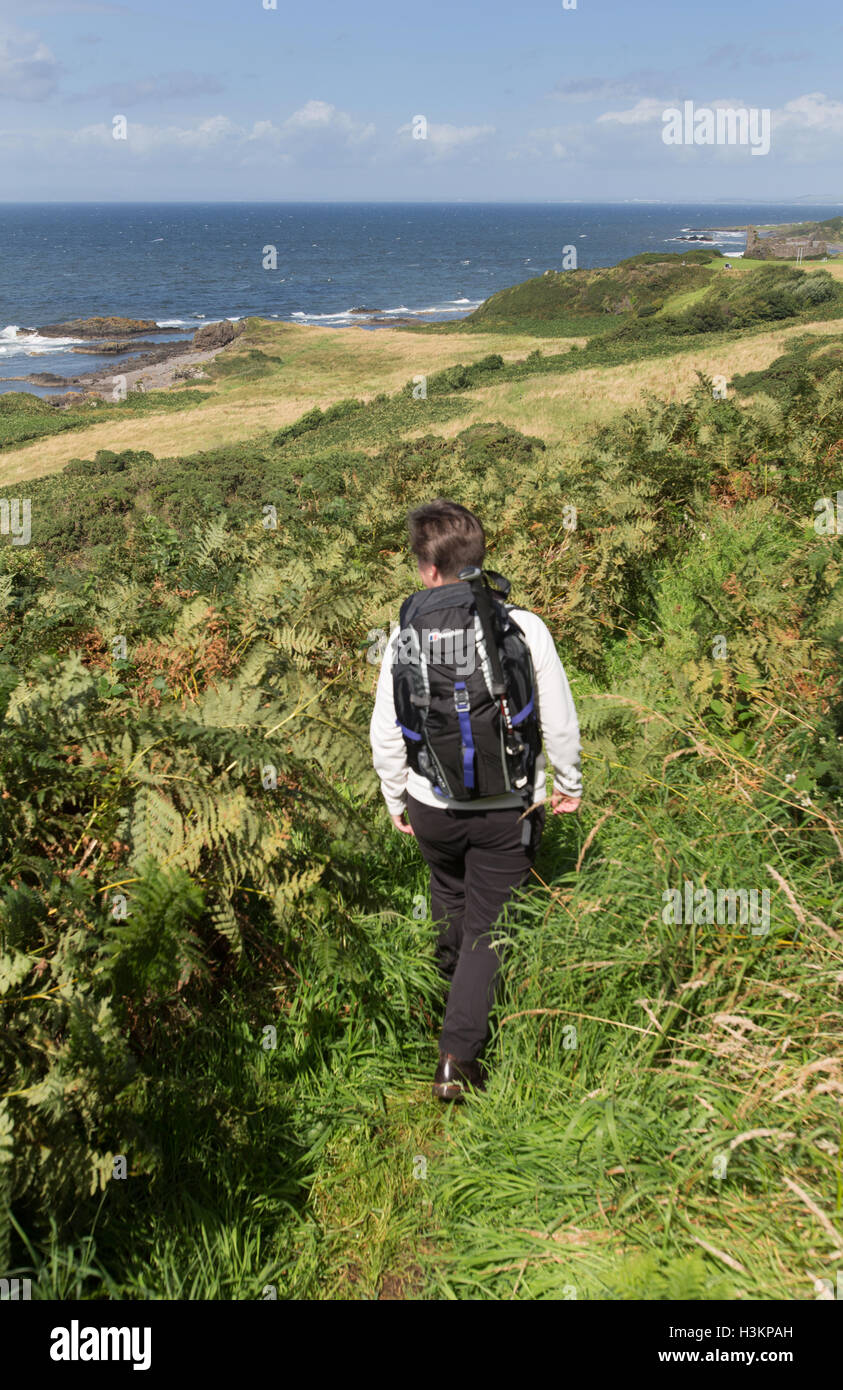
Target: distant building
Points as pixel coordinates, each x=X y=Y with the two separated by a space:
x=783 y=248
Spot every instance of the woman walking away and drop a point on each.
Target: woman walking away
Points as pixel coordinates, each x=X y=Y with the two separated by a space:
x=469 y=690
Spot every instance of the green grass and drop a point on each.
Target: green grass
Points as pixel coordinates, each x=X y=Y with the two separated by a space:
x=24 y=417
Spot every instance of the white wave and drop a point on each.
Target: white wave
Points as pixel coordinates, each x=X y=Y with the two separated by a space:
x=197 y=318
x=314 y=318
x=345 y=316
x=713 y=232
x=15 y=341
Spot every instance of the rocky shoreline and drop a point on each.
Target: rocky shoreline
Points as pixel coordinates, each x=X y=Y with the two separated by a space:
x=146 y=365
x=158 y=366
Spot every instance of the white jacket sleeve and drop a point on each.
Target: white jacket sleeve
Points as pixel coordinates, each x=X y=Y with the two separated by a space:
x=557 y=713
x=389 y=753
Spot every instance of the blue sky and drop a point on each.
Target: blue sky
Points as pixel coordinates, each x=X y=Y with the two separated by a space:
x=227 y=99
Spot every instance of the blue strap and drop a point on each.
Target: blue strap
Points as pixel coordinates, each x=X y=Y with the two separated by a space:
x=408 y=733
x=528 y=709
x=465 y=730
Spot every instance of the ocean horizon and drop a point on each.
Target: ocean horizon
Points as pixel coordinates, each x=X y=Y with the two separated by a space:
x=182 y=265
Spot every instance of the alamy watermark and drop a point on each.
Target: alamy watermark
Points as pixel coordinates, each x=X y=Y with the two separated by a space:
x=829 y=521
x=441 y=646
x=725 y=906
x=80 y=1343
x=16 y=519
x=722 y=125
x=13 y=1290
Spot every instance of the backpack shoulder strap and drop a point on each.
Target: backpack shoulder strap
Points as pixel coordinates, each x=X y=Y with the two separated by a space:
x=402 y=615
x=408 y=660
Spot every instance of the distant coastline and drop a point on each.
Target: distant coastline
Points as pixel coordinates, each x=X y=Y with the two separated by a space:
x=372 y=266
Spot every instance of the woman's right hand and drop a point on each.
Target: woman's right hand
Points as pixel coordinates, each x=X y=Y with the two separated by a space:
x=400 y=824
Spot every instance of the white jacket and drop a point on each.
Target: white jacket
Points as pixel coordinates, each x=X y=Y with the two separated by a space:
x=557 y=717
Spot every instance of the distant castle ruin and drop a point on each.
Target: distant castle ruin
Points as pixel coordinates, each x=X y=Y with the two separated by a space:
x=782 y=248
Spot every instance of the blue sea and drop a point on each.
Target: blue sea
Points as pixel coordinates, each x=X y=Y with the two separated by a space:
x=188 y=264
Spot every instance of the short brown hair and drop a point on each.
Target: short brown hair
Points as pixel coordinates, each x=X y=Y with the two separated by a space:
x=446 y=535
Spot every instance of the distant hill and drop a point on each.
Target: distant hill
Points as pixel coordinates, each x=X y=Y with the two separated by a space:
x=831 y=229
x=655 y=296
x=632 y=284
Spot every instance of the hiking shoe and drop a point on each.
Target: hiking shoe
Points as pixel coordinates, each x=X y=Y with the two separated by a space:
x=453 y=1077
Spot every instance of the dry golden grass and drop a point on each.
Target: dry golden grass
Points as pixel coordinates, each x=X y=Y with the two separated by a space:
x=322 y=365
x=568 y=406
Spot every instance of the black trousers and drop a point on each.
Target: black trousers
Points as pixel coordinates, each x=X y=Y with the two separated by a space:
x=476 y=859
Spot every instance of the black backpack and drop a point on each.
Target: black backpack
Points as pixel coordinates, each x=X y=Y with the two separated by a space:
x=464 y=690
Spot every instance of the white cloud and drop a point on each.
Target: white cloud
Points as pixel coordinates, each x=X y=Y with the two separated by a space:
x=442 y=140
x=450 y=137
x=28 y=70
x=642 y=113
x=315 y=129
x=318 y=136
x=814 y=111
x=316 y=125
x=264 y=130
x=320 y=116
x=804 y=130
x=145 y=139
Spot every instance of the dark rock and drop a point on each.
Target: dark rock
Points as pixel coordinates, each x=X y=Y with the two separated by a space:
x=361 y=309
x=113 y=349
x=100 y=328
x=215 y=335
